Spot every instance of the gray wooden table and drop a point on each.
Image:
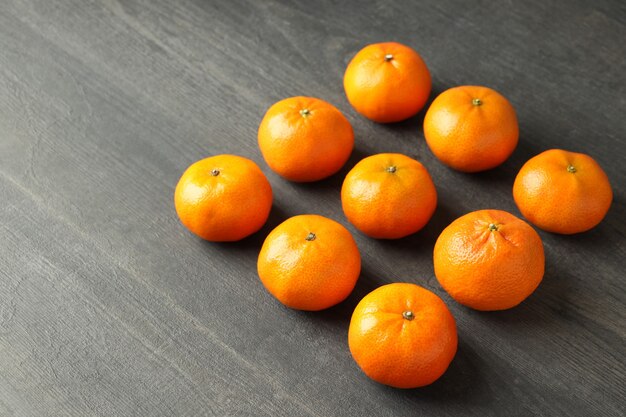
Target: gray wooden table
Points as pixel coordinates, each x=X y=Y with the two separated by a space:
x=109 y=307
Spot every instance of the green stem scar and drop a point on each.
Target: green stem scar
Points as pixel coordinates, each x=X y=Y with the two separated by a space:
x=408 y=315
x=391 y=169
x=477 y=101
x=570 y=168
x=215 y=172
x=493 y=227
x=311 y=236
x=305 y=112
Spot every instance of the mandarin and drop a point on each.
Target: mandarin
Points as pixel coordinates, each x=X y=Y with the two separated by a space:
x=387 y=82
x=402 y=335
x=563 y=192
x=223 y=198
x=489 y=260
x=471 y=128
x=305 y=139
x=309 y=262
x=388 y=196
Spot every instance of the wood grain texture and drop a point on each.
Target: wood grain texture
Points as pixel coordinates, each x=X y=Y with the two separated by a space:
x=109 y=307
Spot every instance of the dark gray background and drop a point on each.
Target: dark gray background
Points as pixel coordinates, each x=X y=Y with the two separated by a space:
x=108 y=306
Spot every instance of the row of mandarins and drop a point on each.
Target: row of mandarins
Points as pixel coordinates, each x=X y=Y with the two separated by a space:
x=400 y=334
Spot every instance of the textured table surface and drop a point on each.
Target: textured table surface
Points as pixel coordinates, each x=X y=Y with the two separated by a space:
x=108 y=306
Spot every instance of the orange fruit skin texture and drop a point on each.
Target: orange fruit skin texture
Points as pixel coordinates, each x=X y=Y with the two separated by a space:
x=305 y=146
x=387 y=90
x=224 y=207
x=399 y=352
x=469 y=137
x=309 y=274
x=388 y=205
x=559 y=201
x=489 y=270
